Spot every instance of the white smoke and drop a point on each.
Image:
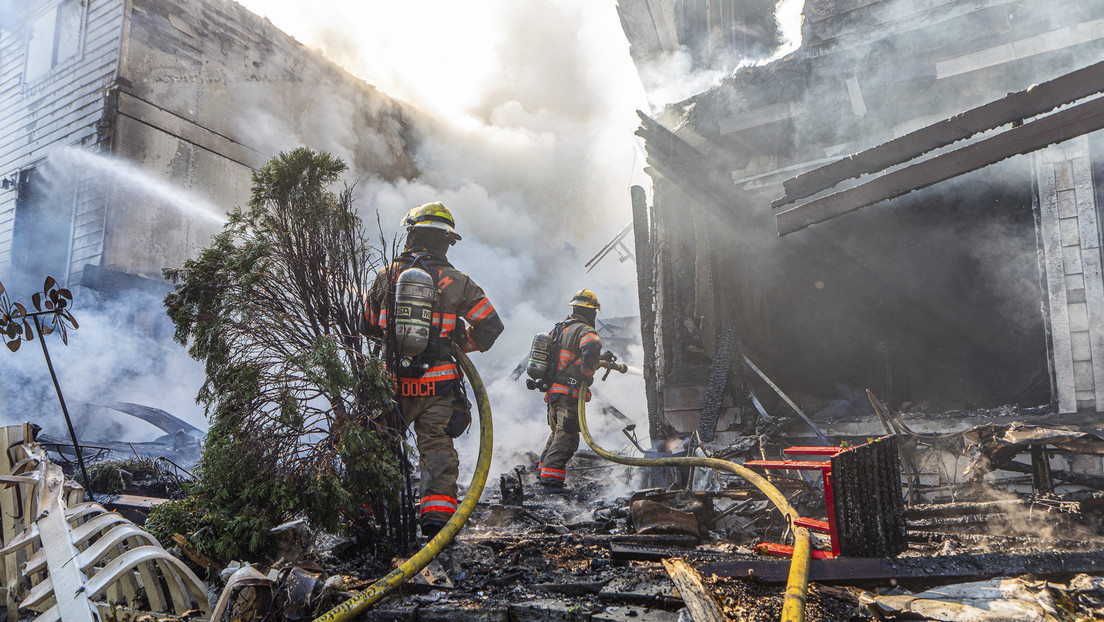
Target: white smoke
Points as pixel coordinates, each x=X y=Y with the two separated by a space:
x=135 y=179
x=121 y=352
x=534 y=156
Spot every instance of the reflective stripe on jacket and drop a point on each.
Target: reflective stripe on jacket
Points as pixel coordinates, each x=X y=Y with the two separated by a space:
x=571 y=365
x=457 y=297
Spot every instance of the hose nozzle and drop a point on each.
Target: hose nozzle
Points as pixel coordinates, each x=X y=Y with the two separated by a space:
x=609 y=361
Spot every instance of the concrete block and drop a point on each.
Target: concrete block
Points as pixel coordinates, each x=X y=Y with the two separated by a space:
x=1086 y=405
x=1075 y=281
x=1089 y=234
x=1071 y=260
x=1063 y=176
x=1070 y=232
x=1080 y=345
x=1061 y=152
x=1067 y=204
x=1083 y=375
x=1089 y=465
x=1079 y=317
x=1056 y=279
x=1075 y=295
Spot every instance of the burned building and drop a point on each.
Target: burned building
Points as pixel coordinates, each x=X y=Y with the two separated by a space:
x=190 y=96
x=128 y=128
x=977 y=284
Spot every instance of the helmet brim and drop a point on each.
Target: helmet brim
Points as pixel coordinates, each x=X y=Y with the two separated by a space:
x=437 y=225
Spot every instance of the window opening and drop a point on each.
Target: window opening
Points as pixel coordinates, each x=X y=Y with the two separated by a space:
x=53 y=38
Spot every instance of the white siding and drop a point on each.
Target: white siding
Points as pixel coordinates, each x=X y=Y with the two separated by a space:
x=62 y=108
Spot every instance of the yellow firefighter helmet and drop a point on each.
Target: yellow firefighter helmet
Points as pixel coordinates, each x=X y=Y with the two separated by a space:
x=432 y=215
x=585 y=298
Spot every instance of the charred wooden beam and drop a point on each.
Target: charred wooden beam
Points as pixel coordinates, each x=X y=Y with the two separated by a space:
x=963 y=508
x=938 y=569
x=726 y=354
x=688 y=168
x=869 y=508
x=1081 y=479
x=645 y=271
x=657 y=601
x=1041 y=477
x=1060 y=126
x=1036 y=100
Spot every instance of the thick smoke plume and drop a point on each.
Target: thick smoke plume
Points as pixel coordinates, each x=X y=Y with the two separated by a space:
x=534 y=156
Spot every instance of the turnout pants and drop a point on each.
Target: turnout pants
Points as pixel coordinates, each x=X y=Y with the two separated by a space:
x=562 y=442
x=439 y=462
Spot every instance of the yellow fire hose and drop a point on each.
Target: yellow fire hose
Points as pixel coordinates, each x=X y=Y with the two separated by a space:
x=373 y=593
x=797 y=584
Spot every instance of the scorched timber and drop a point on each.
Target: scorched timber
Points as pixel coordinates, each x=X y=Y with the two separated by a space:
x=927 y=569
x=1055 y=128
x=689 y=168
x=1037 y=100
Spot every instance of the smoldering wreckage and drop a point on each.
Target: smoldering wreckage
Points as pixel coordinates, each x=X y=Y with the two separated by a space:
x=757 y=498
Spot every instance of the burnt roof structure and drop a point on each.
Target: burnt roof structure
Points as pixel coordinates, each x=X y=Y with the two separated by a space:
x=963 y=290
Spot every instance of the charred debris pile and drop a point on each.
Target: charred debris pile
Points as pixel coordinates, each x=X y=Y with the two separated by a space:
x=941 y=526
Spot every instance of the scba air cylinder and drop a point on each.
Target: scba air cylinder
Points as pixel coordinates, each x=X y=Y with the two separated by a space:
x=540 y=356
x=414 y=297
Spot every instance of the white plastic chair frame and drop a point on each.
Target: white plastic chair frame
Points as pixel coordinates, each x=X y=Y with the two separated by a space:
x=51 y=526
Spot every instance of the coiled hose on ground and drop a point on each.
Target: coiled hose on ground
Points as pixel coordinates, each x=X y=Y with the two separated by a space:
x=373 y=593
x=797 y=584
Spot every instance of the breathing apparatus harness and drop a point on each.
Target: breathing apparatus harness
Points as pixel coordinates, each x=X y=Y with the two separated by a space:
x=544 y=360
x=415 y=299
x=416 y=343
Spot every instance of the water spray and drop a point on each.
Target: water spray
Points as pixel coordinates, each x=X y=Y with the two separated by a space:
x=138 y=180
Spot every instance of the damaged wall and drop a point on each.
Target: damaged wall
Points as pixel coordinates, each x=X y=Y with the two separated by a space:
x=208 y=90
x=54 y=72
x=197 y=94
x=933 y=299
x=122 y=159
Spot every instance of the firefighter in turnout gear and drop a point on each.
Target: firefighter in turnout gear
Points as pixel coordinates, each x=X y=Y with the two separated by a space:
x=429 y=389
x=580 y=349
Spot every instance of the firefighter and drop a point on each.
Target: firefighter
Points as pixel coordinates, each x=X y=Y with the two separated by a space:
x=580 y=349
x=429 y=387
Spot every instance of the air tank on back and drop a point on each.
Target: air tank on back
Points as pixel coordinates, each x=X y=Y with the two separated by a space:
x=540 y=360
x=415 y=293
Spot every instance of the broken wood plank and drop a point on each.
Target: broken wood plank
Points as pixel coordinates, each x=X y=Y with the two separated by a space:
x=690 y=169
x=703 y=607
x=1081 y=479
x=1060 y=126
x=1031 y=102
x=625 y=551
x=971 y=508
x=658 y=601
x=191 y=552
x=938 y=569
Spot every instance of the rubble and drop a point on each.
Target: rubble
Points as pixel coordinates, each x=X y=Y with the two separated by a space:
x=664 y=553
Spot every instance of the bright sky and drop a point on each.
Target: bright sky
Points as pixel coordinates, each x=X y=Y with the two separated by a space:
x=449 y=56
